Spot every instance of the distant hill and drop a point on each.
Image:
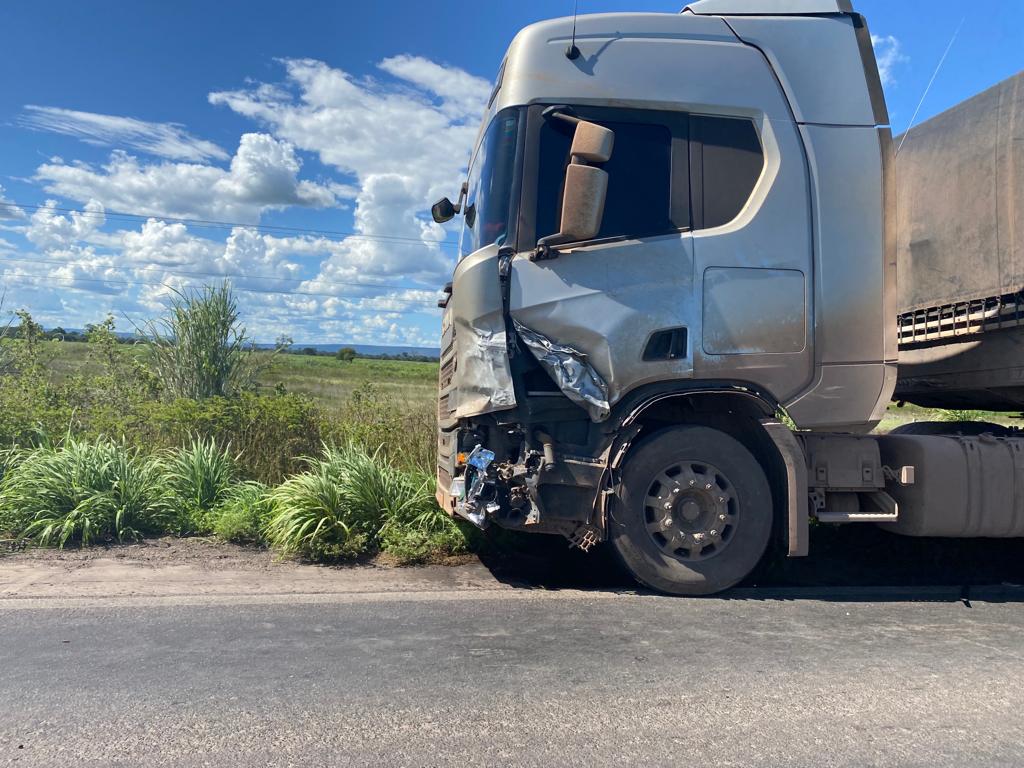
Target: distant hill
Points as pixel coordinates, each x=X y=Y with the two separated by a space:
x=371 y=350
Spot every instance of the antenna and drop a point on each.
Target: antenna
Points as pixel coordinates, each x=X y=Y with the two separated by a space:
x=572 y=52
x=924 y=95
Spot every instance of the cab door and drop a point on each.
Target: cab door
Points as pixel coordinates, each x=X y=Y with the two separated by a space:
x=626 y=299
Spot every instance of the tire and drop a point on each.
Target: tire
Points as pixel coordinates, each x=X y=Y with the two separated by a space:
x=677 y=465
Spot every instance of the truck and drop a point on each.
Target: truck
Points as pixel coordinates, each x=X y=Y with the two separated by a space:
x=675 y=319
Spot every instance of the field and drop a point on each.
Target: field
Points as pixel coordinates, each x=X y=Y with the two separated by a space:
x=329 y=381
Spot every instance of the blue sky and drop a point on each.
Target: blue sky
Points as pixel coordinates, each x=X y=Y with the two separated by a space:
x=335 y=117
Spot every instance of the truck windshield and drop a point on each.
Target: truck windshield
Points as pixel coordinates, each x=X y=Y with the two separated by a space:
x=489 y=196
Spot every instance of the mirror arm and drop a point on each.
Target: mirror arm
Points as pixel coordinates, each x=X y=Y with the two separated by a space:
x=463 y=191
x=543 y=250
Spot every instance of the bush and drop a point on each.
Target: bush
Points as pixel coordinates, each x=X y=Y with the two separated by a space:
x=270 y=433
x=201 y=349
x=243 y=515
x=341 y=505
x=406 y=433
x=311 y=516
x=82 y=492
x=199 y=478
x=420 y=530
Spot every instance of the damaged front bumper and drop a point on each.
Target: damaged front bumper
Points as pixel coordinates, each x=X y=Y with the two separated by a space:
x=538 y=489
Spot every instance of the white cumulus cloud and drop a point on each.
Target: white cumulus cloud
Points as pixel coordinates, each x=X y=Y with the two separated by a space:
x=263 y=174
x=889 y=54
x=406 y=143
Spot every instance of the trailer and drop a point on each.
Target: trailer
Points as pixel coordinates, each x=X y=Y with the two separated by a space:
x=960 y=196
x=675 y=320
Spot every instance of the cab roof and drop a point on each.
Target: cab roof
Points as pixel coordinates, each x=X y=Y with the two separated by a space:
x=769 y=7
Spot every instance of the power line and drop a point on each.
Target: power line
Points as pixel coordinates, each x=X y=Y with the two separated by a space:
x=942 y=59
x=215 y=224
x=183 y=273
x=26 y=277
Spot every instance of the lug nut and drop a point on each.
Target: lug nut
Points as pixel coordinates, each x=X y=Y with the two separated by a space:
x=707 y=487
x=693 y=483
x=721 y=499
x=668 y=505
x=675 y=490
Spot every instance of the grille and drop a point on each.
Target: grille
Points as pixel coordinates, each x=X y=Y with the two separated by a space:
x=964 y=318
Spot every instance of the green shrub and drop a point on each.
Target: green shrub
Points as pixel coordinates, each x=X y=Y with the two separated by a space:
x=201 y=349
x=199 y=478
x=243 y=514
x=419 y=529
x=405 y=432
x=82 y=492
x=352 y=501
x=270 y=433
x=961 y=415
x=311 y=516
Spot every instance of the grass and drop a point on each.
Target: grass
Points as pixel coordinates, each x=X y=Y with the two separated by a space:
x=895 y=416
x=326 y=379
x=352 y=501
x=243 y=514
x=84 y=492
x=199 y=477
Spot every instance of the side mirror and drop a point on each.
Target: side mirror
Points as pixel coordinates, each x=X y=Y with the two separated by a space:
x=586 y=187
x=443 y=210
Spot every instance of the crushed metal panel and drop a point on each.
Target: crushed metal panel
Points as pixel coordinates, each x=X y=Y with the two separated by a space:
x=484 y=385
x=483 y=379
x=569 y=368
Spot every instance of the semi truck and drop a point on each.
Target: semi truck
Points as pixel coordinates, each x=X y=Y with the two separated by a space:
x=692 y=276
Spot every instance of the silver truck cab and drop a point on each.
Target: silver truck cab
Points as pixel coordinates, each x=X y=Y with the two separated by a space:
x=738 y=264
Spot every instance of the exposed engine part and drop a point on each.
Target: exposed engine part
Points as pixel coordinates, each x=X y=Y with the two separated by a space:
x=474 y=507
x=548 y=447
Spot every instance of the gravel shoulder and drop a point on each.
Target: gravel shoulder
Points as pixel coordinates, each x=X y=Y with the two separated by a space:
x=200 y=570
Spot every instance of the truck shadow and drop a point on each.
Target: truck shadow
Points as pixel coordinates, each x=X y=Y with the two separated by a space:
x=847 y=563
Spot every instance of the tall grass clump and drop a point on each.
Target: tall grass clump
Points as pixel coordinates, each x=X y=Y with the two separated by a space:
x=199 y=477
x=82 y=492
x=243 y=514
x=314 y=516
x=349 y=501
x=418 y=529
x=201 y=349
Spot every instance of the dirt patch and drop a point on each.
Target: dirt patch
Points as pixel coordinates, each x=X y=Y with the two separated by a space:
x=199 y=552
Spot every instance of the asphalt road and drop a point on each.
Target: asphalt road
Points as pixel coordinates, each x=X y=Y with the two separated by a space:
x=517 y=677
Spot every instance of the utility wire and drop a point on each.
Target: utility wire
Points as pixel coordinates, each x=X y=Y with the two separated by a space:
x=14 y=206
x=924 y=95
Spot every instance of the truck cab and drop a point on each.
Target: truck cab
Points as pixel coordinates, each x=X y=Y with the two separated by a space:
x=676 y=246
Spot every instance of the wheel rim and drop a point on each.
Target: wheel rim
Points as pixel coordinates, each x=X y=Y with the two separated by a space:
x=691 y=511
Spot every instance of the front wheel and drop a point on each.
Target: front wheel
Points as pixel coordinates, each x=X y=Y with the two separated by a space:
x=694 y=511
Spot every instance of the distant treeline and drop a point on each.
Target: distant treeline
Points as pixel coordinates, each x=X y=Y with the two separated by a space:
x=345 y=353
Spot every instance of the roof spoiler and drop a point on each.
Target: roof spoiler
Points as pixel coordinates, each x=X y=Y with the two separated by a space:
x=769 y=7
